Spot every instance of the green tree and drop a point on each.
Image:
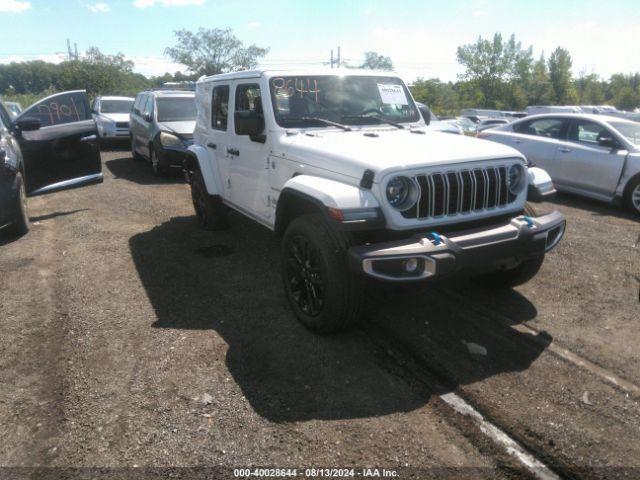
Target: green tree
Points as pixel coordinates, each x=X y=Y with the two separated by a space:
x=441 y=97
x=560 y=76
x=540 y=90
x=491 y=65
x=591 y=90
x=375 y=61
x=213 y=51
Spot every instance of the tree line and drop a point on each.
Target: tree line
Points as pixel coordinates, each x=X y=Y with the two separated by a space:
x=498 y=73
x=501 y=74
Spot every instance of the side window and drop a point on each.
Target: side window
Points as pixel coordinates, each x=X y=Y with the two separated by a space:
x=587 y=132
x=148 y=108
x=248 y=99
x=96 y=105
x=544 y=127
x=220 y=107
x=60 y=109
x=136 y=103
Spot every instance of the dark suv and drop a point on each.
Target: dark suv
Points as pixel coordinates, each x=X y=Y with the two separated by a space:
x=50 y=146
x=162 y=124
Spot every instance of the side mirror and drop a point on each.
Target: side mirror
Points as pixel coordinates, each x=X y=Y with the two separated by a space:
x=608 y=142
x=147 y=117
x=248 y=122
x=426 y=114
x=27 y=124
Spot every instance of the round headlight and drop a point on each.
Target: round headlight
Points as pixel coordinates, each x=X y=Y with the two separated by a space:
x=401 y=193
x=515 y=178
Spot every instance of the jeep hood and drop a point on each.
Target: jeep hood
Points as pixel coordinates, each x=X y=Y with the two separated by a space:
x=351 y=153
x=181 y=129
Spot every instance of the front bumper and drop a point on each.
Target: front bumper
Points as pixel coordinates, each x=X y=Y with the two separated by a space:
x=171 y=157
x=470 y=251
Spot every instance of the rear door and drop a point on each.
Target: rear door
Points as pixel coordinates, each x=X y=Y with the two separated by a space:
x=218 y=136
x=64 y=151
x=584 y=164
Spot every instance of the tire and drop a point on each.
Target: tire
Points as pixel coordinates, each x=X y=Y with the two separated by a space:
x=632 y=196
x=325 y=296
x=21 y=224
x=518 y=275
x=210 y=211
x=158 y=169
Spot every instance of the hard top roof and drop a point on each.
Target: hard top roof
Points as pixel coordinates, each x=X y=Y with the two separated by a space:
x=269 y=73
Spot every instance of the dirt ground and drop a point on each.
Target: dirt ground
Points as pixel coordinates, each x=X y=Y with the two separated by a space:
x=136 y=345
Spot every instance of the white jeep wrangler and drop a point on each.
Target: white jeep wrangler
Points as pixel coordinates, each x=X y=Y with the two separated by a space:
x=340 y=165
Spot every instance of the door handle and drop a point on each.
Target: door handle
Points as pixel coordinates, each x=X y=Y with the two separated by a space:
x=212 y=145
x=565 y=150
x=233 y=151
x=517 y=141
x=90 y=138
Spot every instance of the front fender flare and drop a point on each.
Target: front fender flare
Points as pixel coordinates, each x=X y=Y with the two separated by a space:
x=332 y=193
x=207 y=166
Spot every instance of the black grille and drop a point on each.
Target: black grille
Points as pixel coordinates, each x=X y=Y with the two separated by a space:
x=122 y=124
x=451 y=193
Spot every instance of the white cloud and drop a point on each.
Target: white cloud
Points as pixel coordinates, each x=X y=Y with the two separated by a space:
x=100 y=7
x=14 y=6
x=166 y=3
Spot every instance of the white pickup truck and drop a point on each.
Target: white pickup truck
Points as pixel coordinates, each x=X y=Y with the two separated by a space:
x=340 y=165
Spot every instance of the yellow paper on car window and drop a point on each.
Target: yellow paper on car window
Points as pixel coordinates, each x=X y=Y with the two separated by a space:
x=392 y=94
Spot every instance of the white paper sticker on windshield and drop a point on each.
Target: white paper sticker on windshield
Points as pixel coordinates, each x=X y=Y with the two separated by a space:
x=392 y=94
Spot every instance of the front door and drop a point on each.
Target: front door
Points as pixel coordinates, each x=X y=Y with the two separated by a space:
x=249 y=157
x=64 y=151
x=584 y=164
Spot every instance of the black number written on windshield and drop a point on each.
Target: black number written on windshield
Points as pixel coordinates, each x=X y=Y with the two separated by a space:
x=288 y=87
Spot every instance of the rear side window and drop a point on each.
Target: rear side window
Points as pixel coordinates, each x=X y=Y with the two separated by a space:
x=60 y=109
x=148 y=108
x=544 y=127
x=137 y=104
x=220 y=107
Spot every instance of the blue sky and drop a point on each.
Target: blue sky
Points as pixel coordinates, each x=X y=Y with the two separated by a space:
x=421 y=37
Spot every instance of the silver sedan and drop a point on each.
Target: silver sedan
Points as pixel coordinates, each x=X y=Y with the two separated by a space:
x=592 y=155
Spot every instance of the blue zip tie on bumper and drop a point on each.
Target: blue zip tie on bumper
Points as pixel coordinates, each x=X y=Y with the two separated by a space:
x=529 y=221
x=437 y=239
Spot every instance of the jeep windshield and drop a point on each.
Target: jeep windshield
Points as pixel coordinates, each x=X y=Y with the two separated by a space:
x=176 y=109
x=343 y=99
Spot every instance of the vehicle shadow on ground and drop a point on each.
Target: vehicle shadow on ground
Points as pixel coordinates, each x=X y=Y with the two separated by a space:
x=49 y=216
x=139 y=171
x=595 y=207
x=230 y=282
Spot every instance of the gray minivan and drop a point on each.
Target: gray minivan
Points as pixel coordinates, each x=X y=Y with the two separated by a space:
x=162 y=124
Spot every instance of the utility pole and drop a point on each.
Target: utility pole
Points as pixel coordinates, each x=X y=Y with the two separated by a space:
x=339 y=61
x=69 y=49
x=332 y=58
x=75 y=45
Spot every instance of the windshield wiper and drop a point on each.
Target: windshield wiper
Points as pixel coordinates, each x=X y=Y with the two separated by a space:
x=321 y=120
x=376 y=117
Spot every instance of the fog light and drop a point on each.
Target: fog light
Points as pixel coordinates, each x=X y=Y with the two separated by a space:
x=410 y=265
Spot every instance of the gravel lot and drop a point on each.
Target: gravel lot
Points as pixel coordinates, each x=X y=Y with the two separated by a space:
x=134 y=340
